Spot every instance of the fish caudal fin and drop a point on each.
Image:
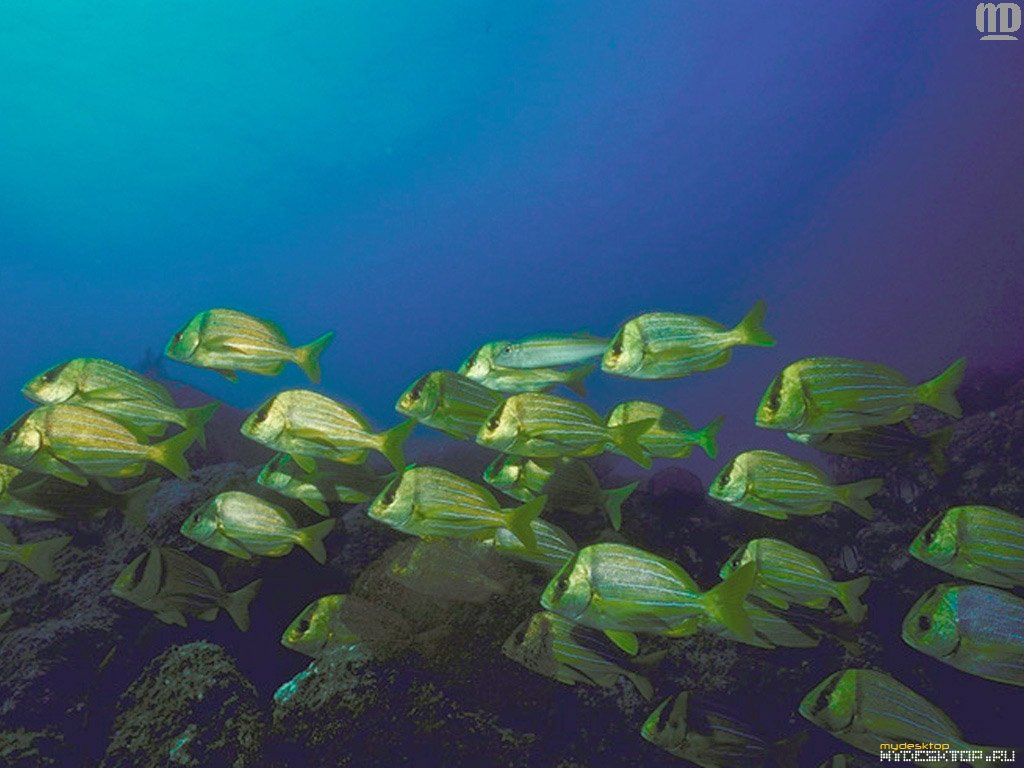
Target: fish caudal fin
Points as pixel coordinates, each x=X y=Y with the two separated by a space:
x=749 y=329
x=392 y=442
x=311 y=539
x=626 y=438
x=643 y=685
x=576 y=377
x=197 y=418
x=938 y=441
x=38 y=556
x=725 y=602
x=136 y=503
x=520 y=519
x=170 y=454
x=854 y=496
x=237 y=604
x=940 y=393
x=849 y=593
x=707 y=438
x=308 y=357
x=613 y=502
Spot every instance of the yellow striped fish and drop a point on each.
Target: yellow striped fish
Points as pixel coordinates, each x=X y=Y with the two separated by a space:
x=429 y=501
x=347 y=621
x=449 y=569
x=835 y=394
x=72 y=443
x=540 y=425
x=117 y=391
x=480 y=367
x=776 y=486
x=549 y=350
x=623 y=590
x=787 y=574
x=308 y=425
x=244 y=525
x=975 y=542
x=670 y=436
x=44 y=498
x=227 y=341
x=333 y=483
x=557 y=648
x=554 y=545
x=888 y=442
x=449 y=402
x=975 y=628
x=772 y=628
x=173 y=585
x=866 y=709
x=667 y=345
x=37 y=556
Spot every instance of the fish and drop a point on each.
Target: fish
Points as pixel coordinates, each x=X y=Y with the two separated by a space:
x=975 y=628
x=836 y=394
x=244 y=525
x=449 y=402
x=555 y=647
x=787 y=574
x=42 y=498
x=228 y=341
x=430 y=501
x=173 y=585
x=569 y=484
x=5 y=616
x=37 y=556
x=554 y=545
x=541 y=425
x=330 y=484
x=623 y=590
x=549 y=350
x=705 y=732
x=450 y=569
x=976 y=542
x=889 y=442
x=72 y=443
x=480 y=367
x=118 y=392
x=866 y=708
x=334 y=621
x=772 y=628
x=777 y=486
x=670 y=436
x=668 y=345
x=309 y=426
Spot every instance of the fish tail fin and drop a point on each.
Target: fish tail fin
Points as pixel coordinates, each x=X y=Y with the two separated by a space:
x=38 y=556
x=170 y=454
x=613 y=499
x=575 y=379
x=626 y=438
x=520 y=519
x=311 y=539
x=940 y=392
x=707 y=438
x=725 y=602
x=643 y=685
x=197 y=418
x=392 y=442
x=237 y=604
x=938 y=441
x=308 y=357
x=849 y=596
x=786 y=752
x=854 y=496
x=749 y=329
x=136 y=503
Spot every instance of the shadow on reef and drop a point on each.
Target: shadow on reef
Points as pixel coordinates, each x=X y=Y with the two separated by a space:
x=87 y=679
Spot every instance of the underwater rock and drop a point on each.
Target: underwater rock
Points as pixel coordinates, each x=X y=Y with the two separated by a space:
x=189 y=707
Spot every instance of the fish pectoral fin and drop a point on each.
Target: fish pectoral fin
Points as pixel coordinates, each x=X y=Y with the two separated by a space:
x=104 y=393
x=229 y=375
x=779 y=602
x=305 y=463
x=688 y=627
x=53 y=466
x=312 y=436
x=172 y=617
x=627 y=641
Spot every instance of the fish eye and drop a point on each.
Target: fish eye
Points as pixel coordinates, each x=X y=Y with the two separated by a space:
x=390 y=493
x=932 y=530
x=520 y=636
x=304 y=626
x=924 y=623
x=261 y=414
x=507 y=348
x=471 y=360
x=417 y=388
x=775 y=394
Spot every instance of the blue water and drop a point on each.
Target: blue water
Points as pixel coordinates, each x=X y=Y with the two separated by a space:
x=423 y=177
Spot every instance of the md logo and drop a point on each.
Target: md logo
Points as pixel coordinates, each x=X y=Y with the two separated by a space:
x=997 y=21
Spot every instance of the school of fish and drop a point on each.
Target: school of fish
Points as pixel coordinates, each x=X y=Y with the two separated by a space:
x=96 y=440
